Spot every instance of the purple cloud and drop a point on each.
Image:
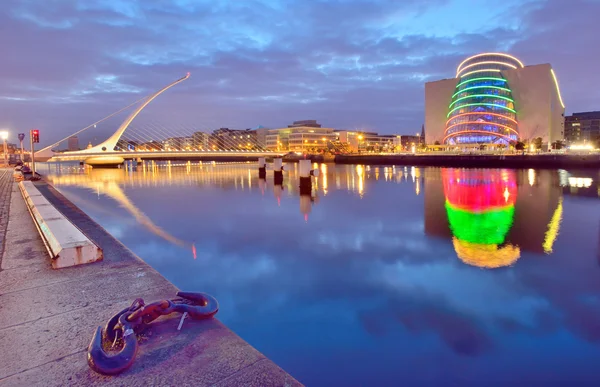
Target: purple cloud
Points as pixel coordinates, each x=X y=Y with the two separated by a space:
x=349 y=64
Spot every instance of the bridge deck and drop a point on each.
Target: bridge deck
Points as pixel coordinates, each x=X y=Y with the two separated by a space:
x=76 y=156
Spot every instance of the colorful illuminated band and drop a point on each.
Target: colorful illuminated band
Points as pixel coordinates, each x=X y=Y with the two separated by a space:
x=486 y=62
x=482 y=96
x=482 y=123
x=481 y=104
x=478 y=132
x=481 y=79
x=489 y=54
x=557 y=88
x=480 y=71
x=481 y=87
x=479 y=114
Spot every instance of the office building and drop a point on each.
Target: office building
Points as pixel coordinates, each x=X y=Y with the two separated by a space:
x=352 y=139
x=200 y=140
x=494 y=99
x=406 y=142
x=301 y=136
x=582 y=127
x=238 y=139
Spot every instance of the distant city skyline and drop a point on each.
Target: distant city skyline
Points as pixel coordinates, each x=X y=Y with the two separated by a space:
x=351 y=64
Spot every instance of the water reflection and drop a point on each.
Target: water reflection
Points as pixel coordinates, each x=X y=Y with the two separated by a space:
x=492 y=215
x=108 y=182
x=385 y=272
x=480 y=205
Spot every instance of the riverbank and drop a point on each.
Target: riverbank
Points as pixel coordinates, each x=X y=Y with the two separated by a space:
x=541 y=161
x=47 y=317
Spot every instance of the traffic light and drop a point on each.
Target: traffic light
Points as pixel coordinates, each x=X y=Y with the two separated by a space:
x=35 y=136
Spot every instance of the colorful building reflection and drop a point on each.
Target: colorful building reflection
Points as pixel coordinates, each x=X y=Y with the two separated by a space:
x=480 y=205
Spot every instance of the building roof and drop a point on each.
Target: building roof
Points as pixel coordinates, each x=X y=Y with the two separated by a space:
x=584 y=115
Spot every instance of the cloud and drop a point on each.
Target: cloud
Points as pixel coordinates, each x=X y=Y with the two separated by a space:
x=349 y=64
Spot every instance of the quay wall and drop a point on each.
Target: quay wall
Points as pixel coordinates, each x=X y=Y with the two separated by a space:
x=48 y=316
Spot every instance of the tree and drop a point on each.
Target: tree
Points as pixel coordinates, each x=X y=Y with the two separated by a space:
x=537 y=143
x=520 y=145
x=437 y=143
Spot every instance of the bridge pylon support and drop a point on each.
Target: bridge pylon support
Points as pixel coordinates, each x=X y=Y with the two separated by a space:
x=278 y=171
x=262 y=168
x=105 y=161
x=306 y=174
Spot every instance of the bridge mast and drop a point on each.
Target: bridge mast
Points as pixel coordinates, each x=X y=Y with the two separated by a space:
x=110 y=144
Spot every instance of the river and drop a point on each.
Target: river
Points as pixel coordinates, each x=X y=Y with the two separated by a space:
x=382 y=275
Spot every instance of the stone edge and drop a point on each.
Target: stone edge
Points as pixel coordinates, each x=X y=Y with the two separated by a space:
x=52 y=244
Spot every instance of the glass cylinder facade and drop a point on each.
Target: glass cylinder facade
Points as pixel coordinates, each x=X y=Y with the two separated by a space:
x=482 y=110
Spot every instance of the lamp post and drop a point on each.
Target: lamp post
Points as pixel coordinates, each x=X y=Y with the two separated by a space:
x=4 y=136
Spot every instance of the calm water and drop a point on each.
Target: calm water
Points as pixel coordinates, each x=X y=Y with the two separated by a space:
x=383 y=275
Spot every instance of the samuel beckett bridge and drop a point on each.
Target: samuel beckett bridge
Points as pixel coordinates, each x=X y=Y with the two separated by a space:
x=154 y=142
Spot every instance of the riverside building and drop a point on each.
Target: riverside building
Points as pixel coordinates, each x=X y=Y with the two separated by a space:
x=494 y=99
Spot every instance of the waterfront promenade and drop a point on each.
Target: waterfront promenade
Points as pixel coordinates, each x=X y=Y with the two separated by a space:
x=47 y=317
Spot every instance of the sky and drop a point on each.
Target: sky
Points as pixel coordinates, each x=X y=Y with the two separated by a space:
x=350 y=64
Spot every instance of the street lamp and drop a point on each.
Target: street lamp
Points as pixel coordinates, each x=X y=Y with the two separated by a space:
x=4 y=136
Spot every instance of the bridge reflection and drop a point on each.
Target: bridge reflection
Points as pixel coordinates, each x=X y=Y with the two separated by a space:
x=108 y=182
x=227 y=176
x=490 y=216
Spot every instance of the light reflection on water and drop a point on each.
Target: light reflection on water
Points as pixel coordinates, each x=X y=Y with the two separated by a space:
x=378 y=276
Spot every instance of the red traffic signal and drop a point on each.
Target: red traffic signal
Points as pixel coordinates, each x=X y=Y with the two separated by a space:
x=35 y=136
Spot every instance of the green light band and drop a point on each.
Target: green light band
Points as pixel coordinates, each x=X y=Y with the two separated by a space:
x=482 y=96
x=481 y=79
x=487 y=228
x=480 y=104
x=481 y=87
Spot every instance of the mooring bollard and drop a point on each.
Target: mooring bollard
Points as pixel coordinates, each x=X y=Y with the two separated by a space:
x=305 y=176
x=262 y=168
x=278 y=170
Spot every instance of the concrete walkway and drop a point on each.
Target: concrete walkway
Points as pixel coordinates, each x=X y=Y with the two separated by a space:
x=47 y=317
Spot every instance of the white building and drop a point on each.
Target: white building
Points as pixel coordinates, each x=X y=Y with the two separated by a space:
x=297 y=138
x=495 y=99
